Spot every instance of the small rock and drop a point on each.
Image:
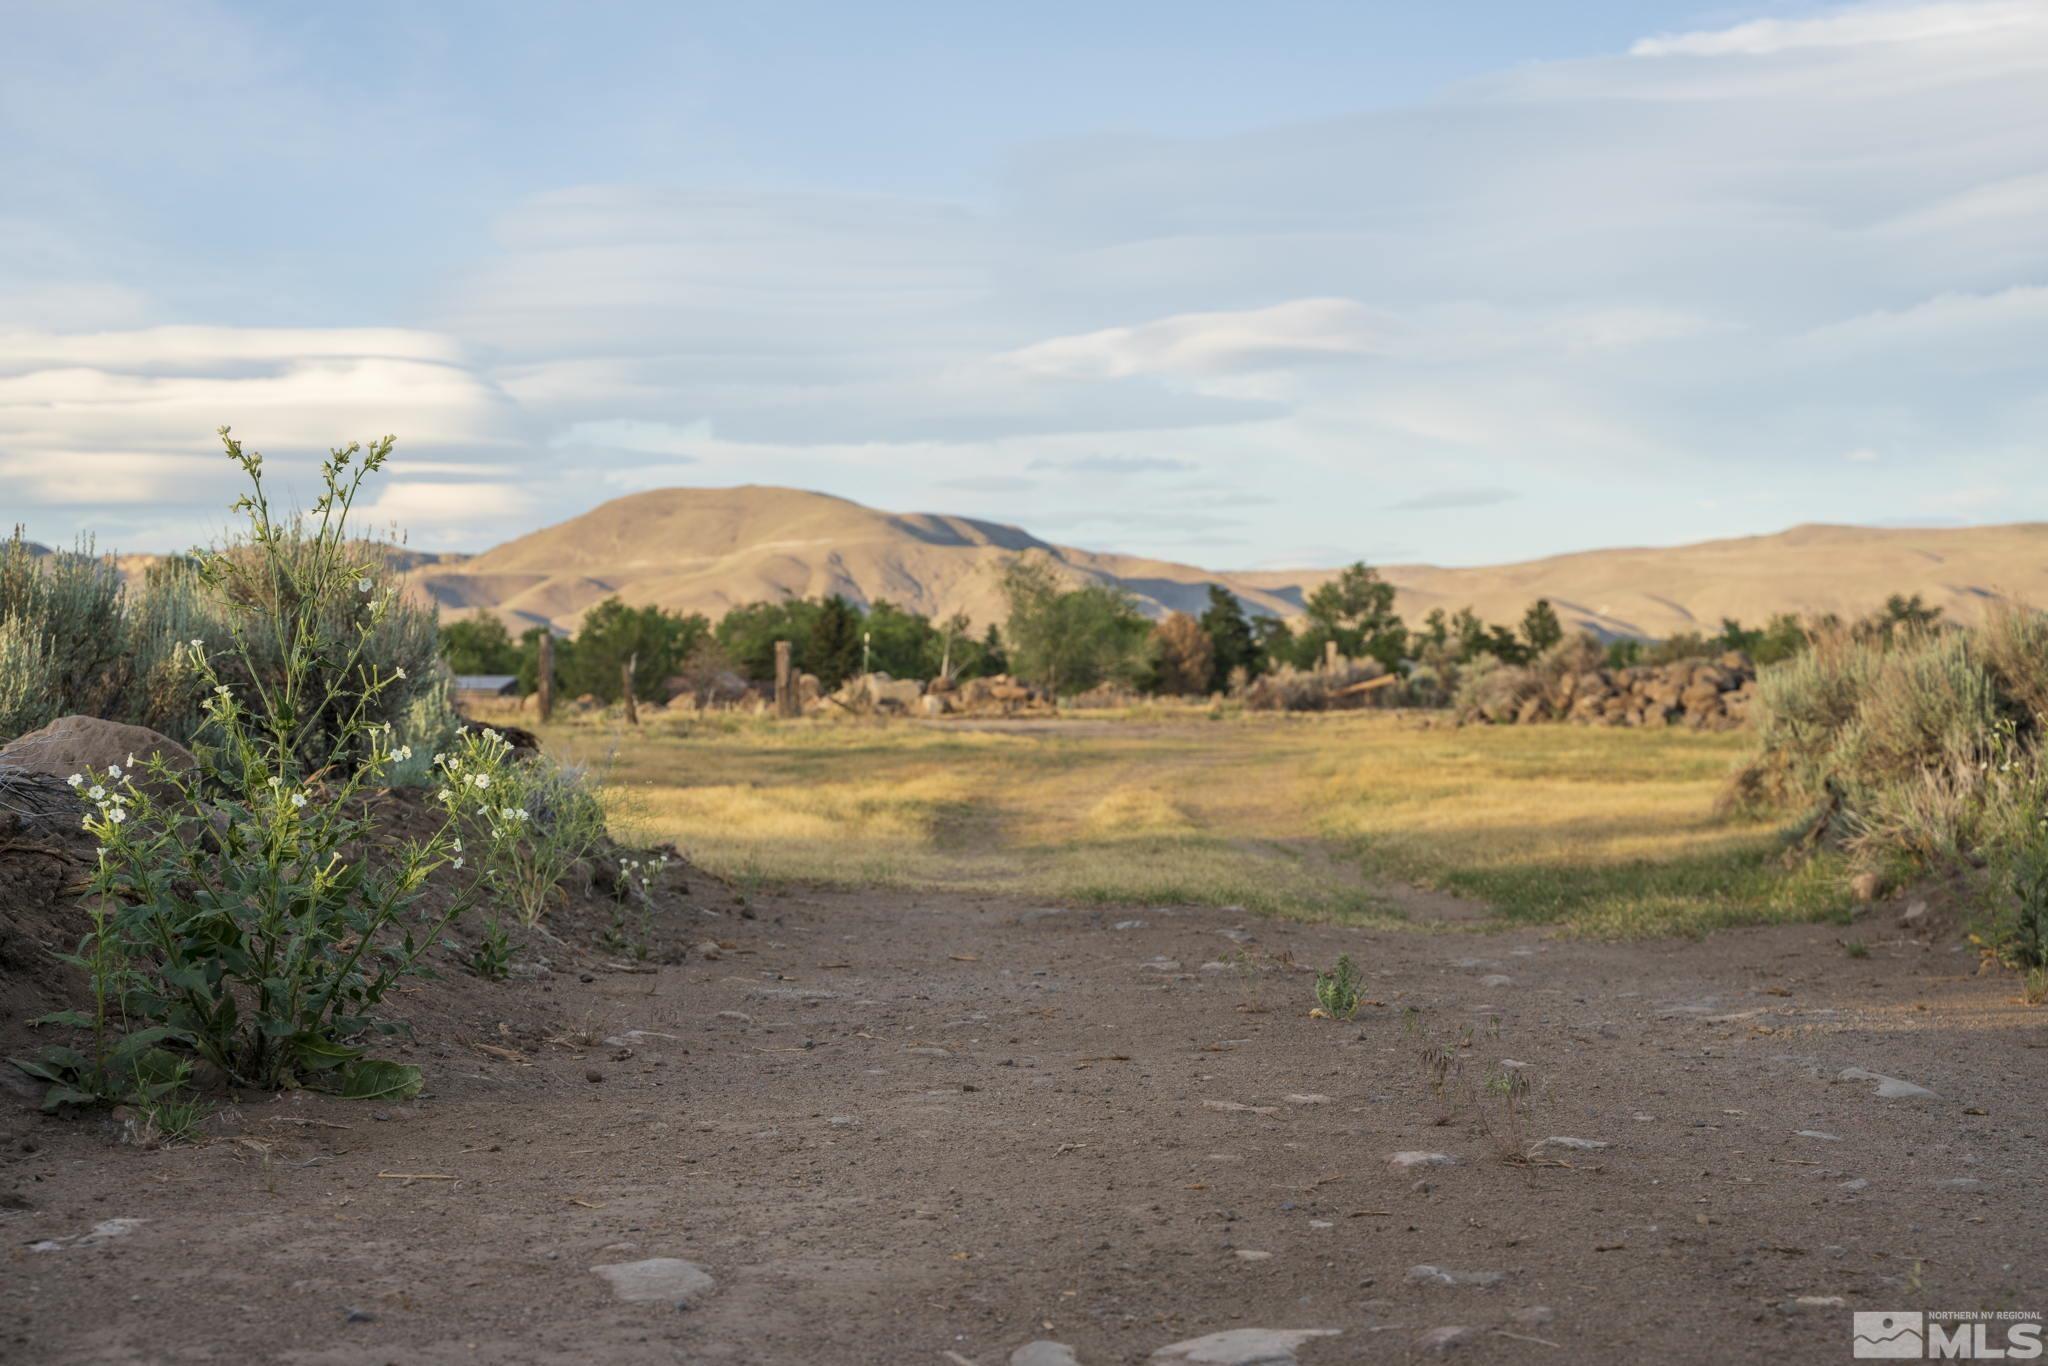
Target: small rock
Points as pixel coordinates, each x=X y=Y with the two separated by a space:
x=1438 y=1275
x=357 y=1316
x=1890 y=1088
x=736 y=1016
x=1820 y=1302
x=708 y=950
x=1235 y=1107
x=1819 y=1134
x=1496 y=979
x=1307 y=1098
x=1044 y=1352
x=1240 y=1347
x=593 y=1075
x=1245 y=1254
x=1915 y=914
x=657 y=1278
x=1584 y=1145
x=1405 y=1160
x=1122 y=925
x=1866 y=887
x=1443 y=1339
x=1535 y=1316
x=1856 y=1184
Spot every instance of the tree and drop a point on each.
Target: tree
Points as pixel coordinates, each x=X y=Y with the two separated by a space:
x=905 y=644
x=748 y=635
x=1540 y=626
x=1355 y=609
x=480 y=645
x=652 y=640
x=1184 y=657
x=1232 y=645
x=833 y=651
x=1067 y=641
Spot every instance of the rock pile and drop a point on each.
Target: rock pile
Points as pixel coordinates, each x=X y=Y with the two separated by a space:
x=879 y=694
x=1704 y=694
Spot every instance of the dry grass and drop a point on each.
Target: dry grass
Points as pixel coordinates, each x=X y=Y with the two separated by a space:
x=1602 y=831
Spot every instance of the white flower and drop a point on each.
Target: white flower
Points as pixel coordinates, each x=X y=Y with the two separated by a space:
x=117 y=815
x=399 y=673
x=363 y=585
x=75 y=779
x=298 y=799
x=131 y=761
x=114 y=770
x=198 y=644
x=221 y=689
x=445 y=795
x=458 y=846
x=482 y=781
x=458 y=863
x=96 y=792
x=277 y=782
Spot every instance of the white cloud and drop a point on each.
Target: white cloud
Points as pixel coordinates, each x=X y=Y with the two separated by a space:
x=1209 y=343
x=1913 y=24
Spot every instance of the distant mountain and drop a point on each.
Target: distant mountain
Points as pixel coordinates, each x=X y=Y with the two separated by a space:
x=707 y=550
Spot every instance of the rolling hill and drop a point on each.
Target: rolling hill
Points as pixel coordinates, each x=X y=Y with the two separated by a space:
x=707 y=550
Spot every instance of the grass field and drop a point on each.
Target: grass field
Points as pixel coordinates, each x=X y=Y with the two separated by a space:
x=1607 y=832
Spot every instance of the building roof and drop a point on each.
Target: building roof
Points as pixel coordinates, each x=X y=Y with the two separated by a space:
x=486 y=682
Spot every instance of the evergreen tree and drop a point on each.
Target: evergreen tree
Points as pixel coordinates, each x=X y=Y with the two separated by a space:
x=1231 y=641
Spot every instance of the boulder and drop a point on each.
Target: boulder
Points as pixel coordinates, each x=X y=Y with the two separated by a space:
x=73 y=744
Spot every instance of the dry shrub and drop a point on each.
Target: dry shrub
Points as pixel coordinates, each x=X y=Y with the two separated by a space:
x=1290 y=689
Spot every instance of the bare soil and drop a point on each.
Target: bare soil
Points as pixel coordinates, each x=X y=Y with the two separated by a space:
x=924 y=1128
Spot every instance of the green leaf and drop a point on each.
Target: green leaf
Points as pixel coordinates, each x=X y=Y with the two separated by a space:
x=377 y=1079
x=317 y=1054
x=75 y=1019
x=67 y=1095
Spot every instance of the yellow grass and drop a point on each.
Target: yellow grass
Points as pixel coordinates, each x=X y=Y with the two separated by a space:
x=1602 y=831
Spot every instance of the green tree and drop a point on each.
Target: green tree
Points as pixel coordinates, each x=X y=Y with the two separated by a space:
x=1231 y=641
x=833 y=650
x=1355 y=609
x=652 y=640
x=903 y=644
x=480 y=645
x=1540 y=626
x=1069 y=640
x=748 y=635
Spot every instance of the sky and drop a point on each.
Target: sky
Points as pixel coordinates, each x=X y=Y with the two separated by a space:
x=1239 y=285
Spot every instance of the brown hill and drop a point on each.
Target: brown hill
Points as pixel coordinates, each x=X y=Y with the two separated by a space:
x=707 y=550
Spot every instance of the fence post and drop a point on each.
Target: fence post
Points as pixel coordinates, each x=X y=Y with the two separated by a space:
x=547 y=675
x=626 y=681
x=785 y=686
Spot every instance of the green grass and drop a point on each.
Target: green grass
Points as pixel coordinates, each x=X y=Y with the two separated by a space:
x=1596 y=831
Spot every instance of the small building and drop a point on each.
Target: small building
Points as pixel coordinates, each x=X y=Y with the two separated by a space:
x=485 y=687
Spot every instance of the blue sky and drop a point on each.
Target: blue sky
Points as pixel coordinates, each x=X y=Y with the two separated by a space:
x=1239 y=285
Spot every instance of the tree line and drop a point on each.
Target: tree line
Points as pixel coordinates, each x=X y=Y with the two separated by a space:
x=1068 y=638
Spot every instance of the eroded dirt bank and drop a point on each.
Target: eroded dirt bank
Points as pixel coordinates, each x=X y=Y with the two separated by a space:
x=893 y=1127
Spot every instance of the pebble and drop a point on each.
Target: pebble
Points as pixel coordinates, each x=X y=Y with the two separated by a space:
x=1443 y=1339
x=1307 y=1098
x=736 y=1016
x=1044 y=1352
x=1584 y=1145
x=1245 y=1254
x=1422 y=1160
x=357 y=1316
x=1535 y=1316
x=708 y=950
x=1817 y=1133
x=1856 y=1184
x=1437 y=1275
x=1125 y=925
x=1240 y=1347
x=1890 y=1088
x=1235 y=1107
x=1496 y=979
x=657 y=1278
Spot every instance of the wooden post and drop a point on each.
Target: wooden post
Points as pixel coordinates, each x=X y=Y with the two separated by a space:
x=1329 y=656
x=626 y=682
x=785 y=685
x=547 y=675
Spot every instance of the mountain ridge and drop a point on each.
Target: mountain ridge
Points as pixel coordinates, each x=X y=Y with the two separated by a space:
x=712 y=549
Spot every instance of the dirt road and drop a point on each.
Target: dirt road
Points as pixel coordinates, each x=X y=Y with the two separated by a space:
x=896 y=1128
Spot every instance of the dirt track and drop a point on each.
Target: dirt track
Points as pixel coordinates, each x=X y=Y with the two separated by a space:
x=895 y=1128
